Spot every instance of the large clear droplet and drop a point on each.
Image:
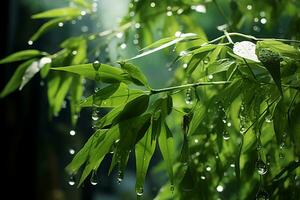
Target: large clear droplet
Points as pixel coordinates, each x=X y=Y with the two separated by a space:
x=226 y=135
x=139 y=191
x=71 y=180
x=220 y=188
x=96 y=65
x=94 y=178
x=30 y=42
x=95 y=116
x=261 y=166
x=262 y=195
x=72 y=132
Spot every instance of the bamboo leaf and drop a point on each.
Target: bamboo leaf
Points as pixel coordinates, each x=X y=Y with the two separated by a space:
x=21 y=55
x=59 y=12
x=199 y=114
x=135 y=73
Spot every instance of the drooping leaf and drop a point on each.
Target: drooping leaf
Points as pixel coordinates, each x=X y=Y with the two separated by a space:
x=219 y=66
x=166 y=145
x=21 y=55
x=107 y=74
x=280 y=121
x=135 y=73
x=280 y=47
x=75 y=94
x=33 y=69
x=198 y=115
x=144 y=150
x=165 y=43
x=271 y=60
x=16 y=79
x=112 y=96
x=58 y=12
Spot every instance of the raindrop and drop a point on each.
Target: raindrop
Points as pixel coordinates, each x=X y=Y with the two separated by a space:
x=226 y=135
x=71 y=180
x=220 y=188
x=256 y=19
x=249 y=7
x=135 y=41
x=177 y=34
x=152 y=4
x=203 y=177
x=30 y=42
x=262 y=14
x=185 y=65
x=229 y=124
x=137 y=25
x=263 y=20
x=199 y=8
x=60 y=24
x=123 y=46
x=189 y=97
x=268 y=118
x=120 y=35
x=256 y=28
x=196 y=141
x=83 y=13
x=210 y=77
x=261 y=167
x=262 y=195
x=232 y=165
x=208 y=168
x=96 y=65
x=183 y=53
x=139 y=191
x=72 y=151
x=72 y=132
x=94 y=178
x=95 y=116
x=131 y=14
x=120 y=176
x=84 y=29
x=169 y=13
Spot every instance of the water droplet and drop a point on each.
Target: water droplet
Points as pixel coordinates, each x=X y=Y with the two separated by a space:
x=169 y=13
x=262 y=14
x=95 y=116
x=123 y=46
x=183 y=53
x=83 y=13
x=210 y=77
x=60 y=24
x=94 y=178
x=120 y=176
x=178 y=34
x=84 y=29
x=263 y=20
x=152 y=4
x=185 y=65
x=220 y=188
x=96 y=65
x=71 y=180
x=74 y=53
x=189 y=96
x=232 y=165
x=180 y=11
x=261 y=167
x=226 y=135
x=249 y=7
x=137 y=25
x=72 y=151
x=139 y=191
x=203 y=177
x=229 y=124
x=119 y=35
x=262 y=195
x=208 y=168
x=199 y=8
x=30 y=42
x=172 y=188
x=72 y=132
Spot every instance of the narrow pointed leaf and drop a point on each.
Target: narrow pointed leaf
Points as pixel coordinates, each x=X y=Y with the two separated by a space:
x=59 y=12
x=198 y=116
x=135 y=73
x=21 y=55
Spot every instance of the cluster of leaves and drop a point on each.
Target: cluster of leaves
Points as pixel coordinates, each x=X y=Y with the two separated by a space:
x=237 y=102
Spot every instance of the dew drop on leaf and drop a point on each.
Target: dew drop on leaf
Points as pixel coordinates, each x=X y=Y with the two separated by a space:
x=94 y=178
x=71 y=180
x=261 y=167
x=96 y=65
x=139 y=191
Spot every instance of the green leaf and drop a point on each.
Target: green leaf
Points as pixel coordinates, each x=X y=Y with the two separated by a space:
x=279 y=47
x=76 y=94
x=165 y=43
x=107 y=74
x=48 y=25
x=198 y=115
x=135 y=73
x=112 y=96
x=83 y=155
x=144 y=151
x=219 y=66
x=109 y=118
x=59 y=12
x=83 y=3
x=21 y=55
x=134 y=108
x=33 y=69
x=271 y=60
x=166 y=145
x=16 y=79
x=280 y=121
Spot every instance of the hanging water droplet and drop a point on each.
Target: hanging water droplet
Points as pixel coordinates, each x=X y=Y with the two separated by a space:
x=95 y=116
x=94 y=178
x=261 y=167
x=96 y=65
x=71 y=180
x=30 y=42
x=139 y=191
x=226 y=135
x=262 y=195
x=232 y=165
x=71 y=151
x=120 y=176
x=60 y=24
x=220 y=188
x=249 y=7
x=203 y=177
x=185 y=65
x=189 y=96
x=196 y=141
x=268 y=118
x=152 y=4
x=83 y=13
x=178 y=33
x=137 y=25
x=208 y=168
x=72 y=132
x=210 y=77
x=229 y=124
x=263 y=20
x=169 y=13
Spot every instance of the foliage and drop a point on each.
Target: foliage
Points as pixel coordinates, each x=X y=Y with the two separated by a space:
x=236 y=97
